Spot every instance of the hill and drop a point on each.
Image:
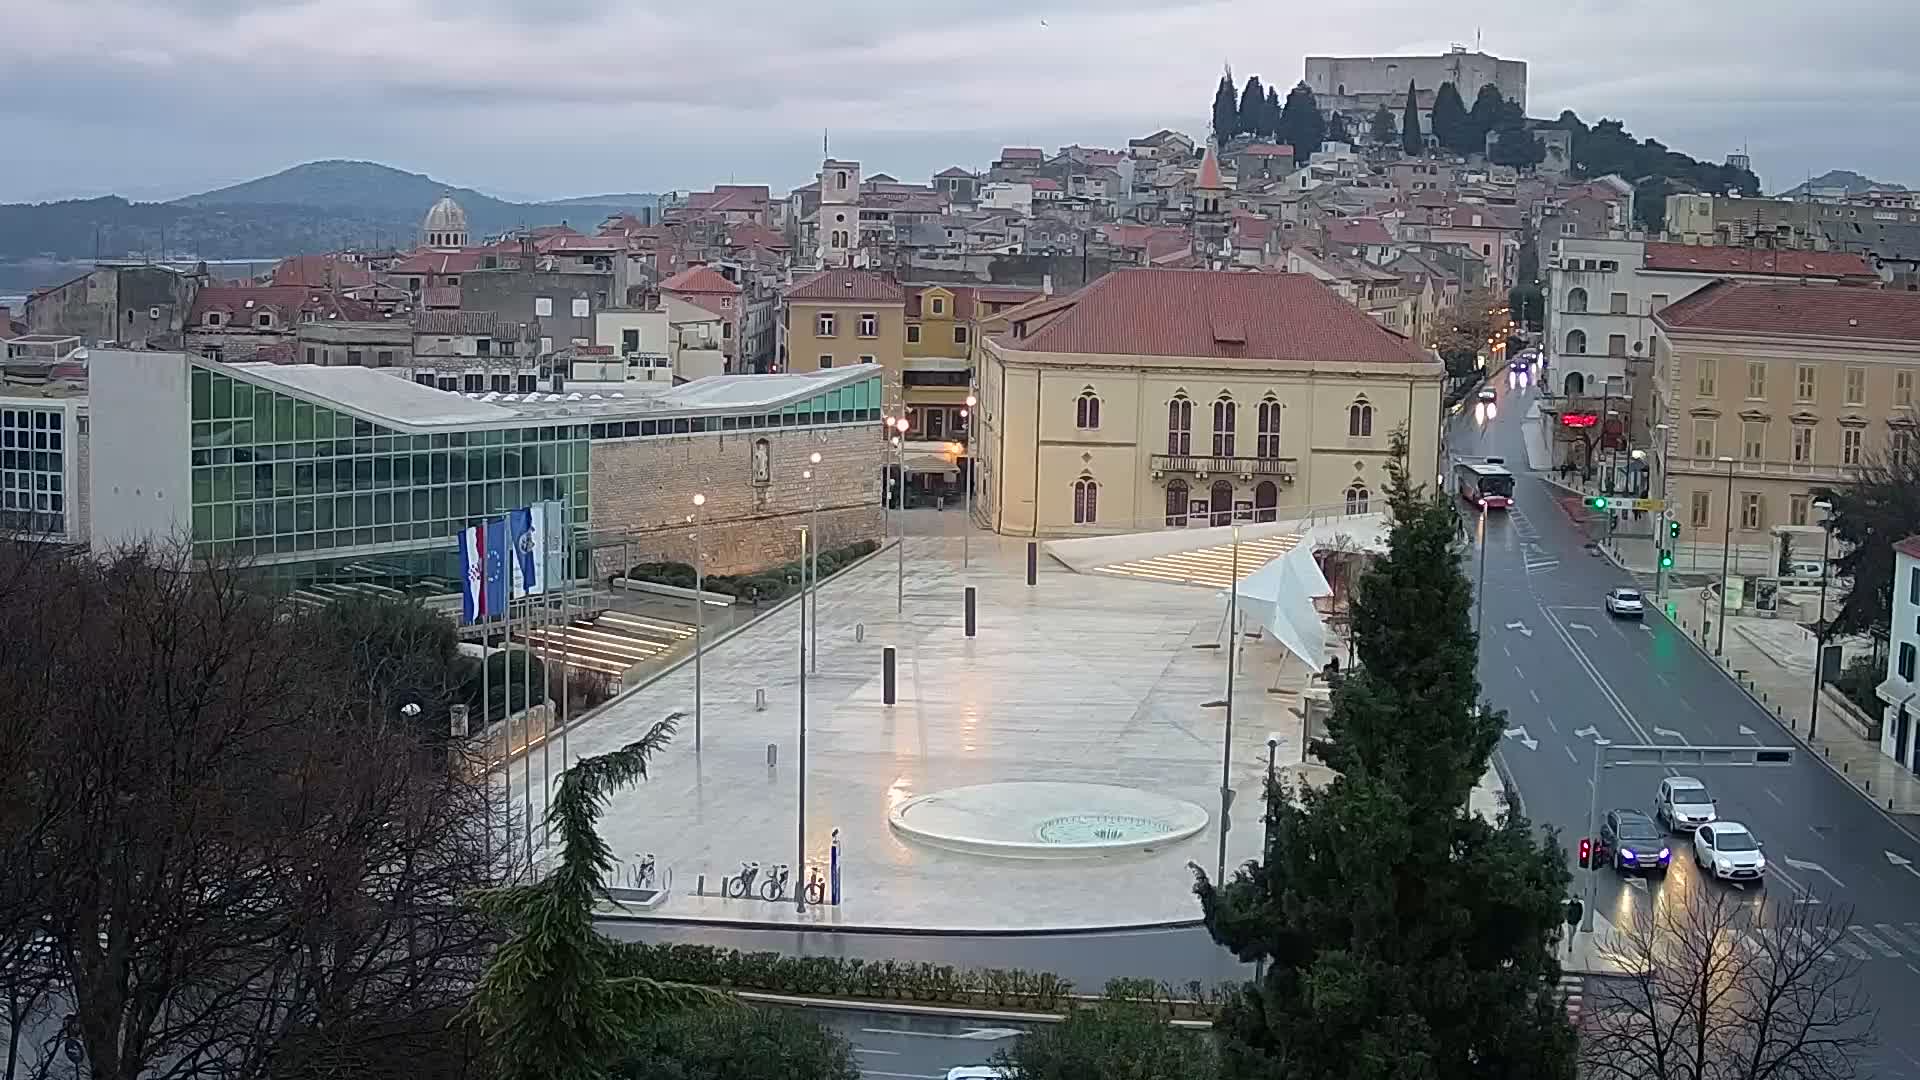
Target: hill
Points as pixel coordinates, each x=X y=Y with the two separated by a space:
x=317 y=206
x=1845 y=179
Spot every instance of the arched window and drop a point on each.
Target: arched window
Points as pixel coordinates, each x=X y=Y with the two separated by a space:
x=1220 y=503
x=1176 y=502
x=1266 y=501
x=1086 y=501
x=1576 y=342
x=1225 y=413
x=1086 y=411
x=840 y=180
x=1268 y=443
x=1357 y=496
x=1180 y=425
x=1576 y=384
x=1576 y=300
x=1360 y=419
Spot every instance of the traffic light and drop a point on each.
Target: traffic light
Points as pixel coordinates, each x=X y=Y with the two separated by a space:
x=1597 y=502
x=1586 y=852
x=1666 y=560
x=1673 y=529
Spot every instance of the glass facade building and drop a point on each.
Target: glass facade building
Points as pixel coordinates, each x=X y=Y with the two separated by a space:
x=33 y=469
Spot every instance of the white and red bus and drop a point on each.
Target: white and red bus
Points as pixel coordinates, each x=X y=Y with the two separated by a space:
x=1484 y=483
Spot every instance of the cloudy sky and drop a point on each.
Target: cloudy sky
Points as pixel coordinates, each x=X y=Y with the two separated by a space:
x=551 y=98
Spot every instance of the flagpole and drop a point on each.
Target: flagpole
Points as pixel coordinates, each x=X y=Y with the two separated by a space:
x=566 y=624
x=539 y=563
x=526 y=719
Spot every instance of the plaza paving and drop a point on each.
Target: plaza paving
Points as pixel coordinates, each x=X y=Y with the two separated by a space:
x=1082 y=678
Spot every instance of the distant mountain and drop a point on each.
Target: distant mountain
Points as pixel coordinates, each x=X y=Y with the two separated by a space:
x=1852 y=182
x=319 y=206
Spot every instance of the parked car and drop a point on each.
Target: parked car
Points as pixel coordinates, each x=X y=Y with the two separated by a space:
x=1633 y=843
x=1729 y=851
x=1683 y=805
x=1626 y=603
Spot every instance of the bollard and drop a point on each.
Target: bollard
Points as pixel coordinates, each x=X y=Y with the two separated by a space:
x=859 y=632
x=886 y=675
x=1033 y=562
x=833 y=868
x=760 y=700
x=1867 y=785
x=970 y=605
x=773 y=754
x=700 y=885
x=1843 y=767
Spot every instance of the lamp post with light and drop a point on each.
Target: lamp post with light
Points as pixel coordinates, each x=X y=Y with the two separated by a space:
x=1825 y=506
x=699 y=612
x=800 y=801
x=966 y=535
x=900 y=585
x=813 y=618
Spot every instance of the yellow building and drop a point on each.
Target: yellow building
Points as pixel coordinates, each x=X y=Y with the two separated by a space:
x=943 y=335
x=1167 y=398
x=1769 y=390
x=837 y=318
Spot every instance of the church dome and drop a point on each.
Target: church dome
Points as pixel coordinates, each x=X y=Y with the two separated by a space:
x=445 y=225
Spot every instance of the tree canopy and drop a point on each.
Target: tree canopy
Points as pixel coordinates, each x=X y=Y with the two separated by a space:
x=1389 y=952
x=1226 y=109
x=1337 y=129
x=1382 y=127
x=1450 y=127
x=1878 y=509
x=1251 y=116
x=1301 y=125
x=1656 y=171
x=1412 y=140
x=1117 y=1039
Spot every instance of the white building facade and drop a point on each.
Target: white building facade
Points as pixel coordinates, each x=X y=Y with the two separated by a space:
x=1900 y=731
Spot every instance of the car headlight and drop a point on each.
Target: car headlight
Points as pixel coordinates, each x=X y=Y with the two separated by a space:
x=1759 y=862
x=1665 y=854
x=1723 y=865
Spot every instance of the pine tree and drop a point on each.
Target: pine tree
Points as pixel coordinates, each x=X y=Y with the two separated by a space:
x=1411 y=140
x=1485 y=113
x=1301 y=124
x=1226 y=112
x=1337 y=129
x=1450 y=128
x=1384 y=131
x=1253 y=108
x=1272 y=130
x=1391 y=952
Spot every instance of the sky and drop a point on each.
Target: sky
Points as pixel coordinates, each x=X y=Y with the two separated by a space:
x=554 y=98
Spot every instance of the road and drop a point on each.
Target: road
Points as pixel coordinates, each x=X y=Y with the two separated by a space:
x=1568 y=674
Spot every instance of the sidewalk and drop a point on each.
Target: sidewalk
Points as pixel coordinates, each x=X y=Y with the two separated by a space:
x=1773 y=659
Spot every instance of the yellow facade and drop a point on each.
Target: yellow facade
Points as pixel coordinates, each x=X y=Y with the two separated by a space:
x=820 y=334
x=1305 y=437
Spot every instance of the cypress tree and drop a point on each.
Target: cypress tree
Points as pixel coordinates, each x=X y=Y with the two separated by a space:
x=1411 y=139
x=1226 y=111
x=1405 y=936
x=1337 y=129
x=1301 y=124
x=1253 y=108
x=1450 y=127
x=1384 y=130
x=1272 y=129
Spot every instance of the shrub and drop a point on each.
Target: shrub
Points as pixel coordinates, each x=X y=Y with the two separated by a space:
x=737 y=1044
x=833 y=976
x=761 y=587
x=1857 y=680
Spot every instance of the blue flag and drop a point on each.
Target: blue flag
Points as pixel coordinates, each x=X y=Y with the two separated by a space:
x=524 y=532
x=496 y=554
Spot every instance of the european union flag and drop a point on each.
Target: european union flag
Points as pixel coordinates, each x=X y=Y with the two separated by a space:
x=497 y=553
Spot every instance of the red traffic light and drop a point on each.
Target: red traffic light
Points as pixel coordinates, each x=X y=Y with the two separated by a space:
x=1586 y=852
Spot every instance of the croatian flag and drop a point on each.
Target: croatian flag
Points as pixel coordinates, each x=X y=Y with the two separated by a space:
x=473 y=575
x=494 y=548
x=528 y=526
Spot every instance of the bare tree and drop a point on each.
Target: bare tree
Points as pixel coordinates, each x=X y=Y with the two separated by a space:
x=1728 y=990
x=233 y=842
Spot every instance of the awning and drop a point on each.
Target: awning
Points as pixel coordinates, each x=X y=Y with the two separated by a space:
x=1279 y=598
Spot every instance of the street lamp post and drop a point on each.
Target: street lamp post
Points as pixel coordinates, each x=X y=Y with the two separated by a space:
x=1480 y=590
x=1266 y=833
x=1613 y=470
x=800 y=832
x=900 y=556
x=966 y=533
x=699 y=613
x=1726 y=561
x=1825 y=506
x=813 y=616
x=1226 y=741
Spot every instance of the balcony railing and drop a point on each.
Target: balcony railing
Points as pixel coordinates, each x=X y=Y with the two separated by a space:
x=1284 y=468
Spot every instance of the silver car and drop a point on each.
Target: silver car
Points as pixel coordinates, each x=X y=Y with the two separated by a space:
x=1626 y=603
x=1683 y=805
x=1729 y=851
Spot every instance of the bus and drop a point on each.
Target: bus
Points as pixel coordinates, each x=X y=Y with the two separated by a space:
x=1485 y=483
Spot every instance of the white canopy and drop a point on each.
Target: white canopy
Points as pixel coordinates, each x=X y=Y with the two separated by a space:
x=1279 y=598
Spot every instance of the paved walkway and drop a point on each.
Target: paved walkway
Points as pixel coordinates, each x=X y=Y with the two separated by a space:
x=1773 y=659
x=1081 y=678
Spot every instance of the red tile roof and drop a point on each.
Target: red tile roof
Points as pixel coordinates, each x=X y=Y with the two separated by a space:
x=1358 y=231
x=437 y=262
x=320 y=272
x=1835 y=313
x=286 y=303
x=848 y=285
x=1213 y=313
x=563 y=243
x=1044 y=184
x=1727 y=260
x=953 y=170
x=1210 y=170
x=700 y=279
x=1022 y=153
x=750 y=234
x=1910 y=547
x=441 y=296
x=1269 y=150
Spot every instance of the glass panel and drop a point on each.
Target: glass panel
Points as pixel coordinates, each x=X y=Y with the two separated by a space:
x=303 y=420
x=202 y=433
x=243 y=520
x=202 y=486
x=222 y=483
x=223 y=522
x=202 y=522
x=202 y=394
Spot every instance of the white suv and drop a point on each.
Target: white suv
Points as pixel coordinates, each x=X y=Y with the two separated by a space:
x=1683 y=805
x=1626 y=603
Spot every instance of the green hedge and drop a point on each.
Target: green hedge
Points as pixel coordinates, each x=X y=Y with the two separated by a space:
x=893 y=980
x=765 y=587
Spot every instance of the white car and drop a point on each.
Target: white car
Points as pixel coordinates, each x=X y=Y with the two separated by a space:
x=1683 y=805
x=1626 y=603
x=975 y=1072
x=1729 y=851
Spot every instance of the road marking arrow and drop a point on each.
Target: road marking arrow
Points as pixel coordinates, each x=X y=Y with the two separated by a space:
x=1813 y=868
x=1521 y=734
x=1903 y=863
x=1747 y=731
x=1583 y=626
x=1520 y=626
x=1669 y=733
x=1586 y=732
x=974 y=1034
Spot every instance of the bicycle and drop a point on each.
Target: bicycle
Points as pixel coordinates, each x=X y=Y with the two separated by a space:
x=742 y=886
x=775 y=887
x=816 y=887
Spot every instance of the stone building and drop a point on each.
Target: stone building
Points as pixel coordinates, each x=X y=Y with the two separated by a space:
x=236 y=323
x=137 y=307
x=445 y=225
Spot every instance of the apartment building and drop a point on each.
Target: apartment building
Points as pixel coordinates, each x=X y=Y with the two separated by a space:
x=837 y=318
x=1768 y=390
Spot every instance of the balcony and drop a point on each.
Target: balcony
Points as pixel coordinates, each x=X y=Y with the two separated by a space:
x=1225 y=466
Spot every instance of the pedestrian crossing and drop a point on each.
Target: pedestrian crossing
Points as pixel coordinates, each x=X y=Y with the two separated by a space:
x=1861 y=942
x=1573 y=989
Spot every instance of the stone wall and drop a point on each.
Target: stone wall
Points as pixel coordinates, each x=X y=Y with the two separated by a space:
x=641 y=491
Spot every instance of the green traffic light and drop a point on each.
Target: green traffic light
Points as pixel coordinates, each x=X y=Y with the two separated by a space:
x=1666 y=560
x=1673 y=529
